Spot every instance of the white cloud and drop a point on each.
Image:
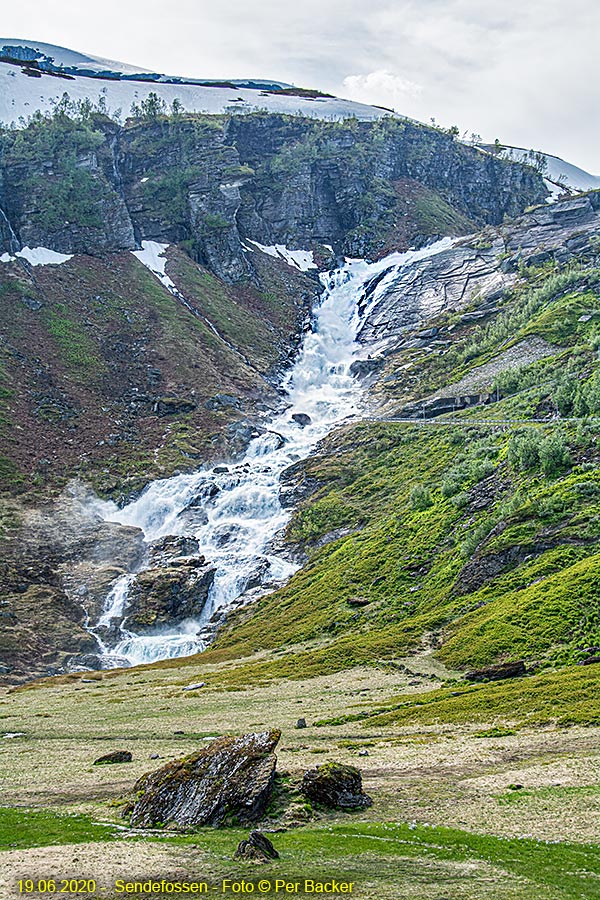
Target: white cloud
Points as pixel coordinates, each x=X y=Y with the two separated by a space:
x=380 y=88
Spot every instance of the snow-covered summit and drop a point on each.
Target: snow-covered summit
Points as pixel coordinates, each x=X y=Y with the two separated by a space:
x=61 y=57
x=52 y=58
x=34 y=76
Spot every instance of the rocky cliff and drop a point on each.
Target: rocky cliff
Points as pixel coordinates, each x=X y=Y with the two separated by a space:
x=87 y=184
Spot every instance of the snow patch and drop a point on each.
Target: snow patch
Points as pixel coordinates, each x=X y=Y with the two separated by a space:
x=555 y=191
x=152 y=255
x=38 y=256
x=298 y=259
x=41 y=256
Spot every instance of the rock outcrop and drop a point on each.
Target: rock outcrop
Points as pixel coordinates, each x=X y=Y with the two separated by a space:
x=229 y=781
x=477 y=269
x=170 y=594
x=256 y=847
x=499 y=672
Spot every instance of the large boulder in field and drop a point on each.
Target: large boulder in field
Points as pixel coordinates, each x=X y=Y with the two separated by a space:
x=336 y=786
x=115 y=756
x=229 y=781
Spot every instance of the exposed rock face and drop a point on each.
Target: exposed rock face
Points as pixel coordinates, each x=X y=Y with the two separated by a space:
x=172 y=546
x=41 y=629
x=443 y=282
x=66 y=197
x=215 y=182
x=336 y=786
x=55 y=571
x=321 y=196
x=561 y=227
x=296 y=485
x=450 y=280
x=168 y=595
x=230 y=780
x=499 y=672
x=439 y=406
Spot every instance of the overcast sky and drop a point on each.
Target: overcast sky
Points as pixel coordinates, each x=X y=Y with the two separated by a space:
x=525 y=72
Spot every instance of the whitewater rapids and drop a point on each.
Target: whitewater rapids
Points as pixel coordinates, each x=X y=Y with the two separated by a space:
x=241 y=519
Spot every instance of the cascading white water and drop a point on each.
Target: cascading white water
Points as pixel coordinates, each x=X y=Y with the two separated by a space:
x=241 y=510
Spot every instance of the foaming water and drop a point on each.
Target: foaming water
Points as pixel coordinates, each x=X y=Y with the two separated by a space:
x=236 y=514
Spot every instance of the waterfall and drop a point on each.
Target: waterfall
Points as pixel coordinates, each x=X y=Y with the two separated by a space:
x=237 y=507
x=13 y=241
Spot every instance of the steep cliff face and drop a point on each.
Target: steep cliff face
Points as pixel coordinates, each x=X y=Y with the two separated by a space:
x=348 y=182
x=55 y=190
x=87 y=184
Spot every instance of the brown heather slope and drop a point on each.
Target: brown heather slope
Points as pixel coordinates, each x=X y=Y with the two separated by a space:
x=106 y=374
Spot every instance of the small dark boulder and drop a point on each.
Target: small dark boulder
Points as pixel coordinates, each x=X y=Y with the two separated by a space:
x=230 y=780
x=257 y=846
x=174 y=406
x=116 y=756
x=301 y=723
x=362 y=367
x=302 y=419
x=357 y=601
x=223 y=401
x=499 y=672
x=336 y=786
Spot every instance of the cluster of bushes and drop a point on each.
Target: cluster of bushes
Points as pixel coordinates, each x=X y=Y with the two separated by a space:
x=529 y=450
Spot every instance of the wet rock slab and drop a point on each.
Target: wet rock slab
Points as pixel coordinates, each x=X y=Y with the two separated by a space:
x=161 y=596
x=229 y=781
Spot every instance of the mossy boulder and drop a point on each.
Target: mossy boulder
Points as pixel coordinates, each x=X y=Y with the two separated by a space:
x=336 y=786
x=228 y=782
x=115 y=756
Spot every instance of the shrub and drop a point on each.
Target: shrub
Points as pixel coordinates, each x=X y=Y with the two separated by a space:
x=524 y=450
x=420 y=498
x=554 y=454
